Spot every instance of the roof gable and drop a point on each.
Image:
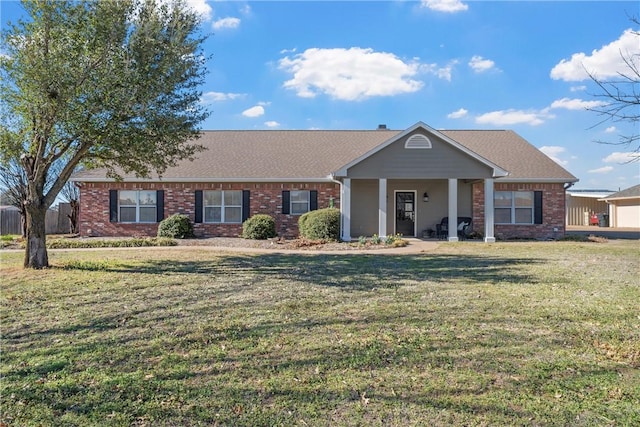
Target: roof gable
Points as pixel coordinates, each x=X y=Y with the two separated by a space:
x=421 y=128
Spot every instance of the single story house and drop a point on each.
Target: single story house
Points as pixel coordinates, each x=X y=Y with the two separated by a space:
x=624 y=208
x=383 y=181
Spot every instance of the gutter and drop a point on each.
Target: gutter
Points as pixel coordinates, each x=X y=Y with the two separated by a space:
x=207 y=180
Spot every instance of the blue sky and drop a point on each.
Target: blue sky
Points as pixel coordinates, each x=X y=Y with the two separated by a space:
x=449 y=63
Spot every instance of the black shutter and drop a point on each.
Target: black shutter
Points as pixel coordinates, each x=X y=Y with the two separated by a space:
x=245 y=205
x=286 y=201
x=159 y=205
x=313 y=200
x=537 y=207
x=198 y=217
x=113 y=205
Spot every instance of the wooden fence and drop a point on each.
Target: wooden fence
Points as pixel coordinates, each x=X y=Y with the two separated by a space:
x=57 y=221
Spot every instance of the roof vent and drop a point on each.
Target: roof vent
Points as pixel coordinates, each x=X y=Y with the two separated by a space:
x=382 y=127
x=418 y=141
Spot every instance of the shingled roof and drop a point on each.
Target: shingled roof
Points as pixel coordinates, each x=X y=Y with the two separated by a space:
x=627 y=193
x=312 y=155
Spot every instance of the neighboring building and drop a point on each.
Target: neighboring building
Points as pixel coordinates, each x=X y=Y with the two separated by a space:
x=624 y=208
x=584 y=206
x=383 y=181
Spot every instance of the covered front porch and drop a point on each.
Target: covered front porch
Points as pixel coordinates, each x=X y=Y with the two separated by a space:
x=411 y=206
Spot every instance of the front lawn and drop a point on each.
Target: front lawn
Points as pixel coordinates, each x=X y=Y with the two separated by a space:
x=469 y=334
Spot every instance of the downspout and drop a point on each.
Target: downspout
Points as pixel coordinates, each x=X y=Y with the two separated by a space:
x=567 y=185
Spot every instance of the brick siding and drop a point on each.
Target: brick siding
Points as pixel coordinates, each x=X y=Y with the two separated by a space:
x=553 y=212
x=265 y=198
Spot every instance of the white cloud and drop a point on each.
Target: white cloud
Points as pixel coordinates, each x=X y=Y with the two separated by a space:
x=209 y=97
x=553 y=152
x=255 y=111
x=439 y=71
x=480 y=64
x=603 y=63
x=581 y=88
x=201 y=7
x=226 y=23
x=604 y=169
x=514 y=117
x=576 y=104
x=620 y=157
x=457 y=114
x=610 y=129
x=349 y=74
x=272 y=124
x=449 y=6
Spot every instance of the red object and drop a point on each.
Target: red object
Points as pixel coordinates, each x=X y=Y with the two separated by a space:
x=593 y=220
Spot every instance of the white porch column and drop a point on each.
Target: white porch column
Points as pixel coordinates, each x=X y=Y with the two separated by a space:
x=489 y=220
x=345 y=209
x=453 y=210
x=382 y=207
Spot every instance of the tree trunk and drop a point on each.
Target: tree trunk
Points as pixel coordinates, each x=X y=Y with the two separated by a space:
x=23 y=223
x=35 y=255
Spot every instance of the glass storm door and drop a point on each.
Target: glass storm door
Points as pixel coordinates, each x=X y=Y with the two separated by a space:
x=406 y=213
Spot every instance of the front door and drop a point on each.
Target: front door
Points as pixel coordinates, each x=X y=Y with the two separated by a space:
x=406 y=213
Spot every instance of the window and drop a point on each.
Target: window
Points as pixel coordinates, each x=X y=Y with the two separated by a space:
x=299 y=202
x=137 y=206
x=222 y=206
x=514 y=207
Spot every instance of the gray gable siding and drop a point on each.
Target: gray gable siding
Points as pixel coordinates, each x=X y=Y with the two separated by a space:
x=441 y=161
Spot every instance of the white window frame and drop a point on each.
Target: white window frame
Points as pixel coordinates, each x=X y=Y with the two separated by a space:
x=222 y=206
x=513 y=207
x=298 y=203
x=138 y=206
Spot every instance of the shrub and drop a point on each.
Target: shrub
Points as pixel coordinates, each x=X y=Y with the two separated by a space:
x=321 y=224
x=109 y=243
x=177 y=226
x=259 y=227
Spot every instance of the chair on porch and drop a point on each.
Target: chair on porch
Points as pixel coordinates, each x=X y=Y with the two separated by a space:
x=463 y=225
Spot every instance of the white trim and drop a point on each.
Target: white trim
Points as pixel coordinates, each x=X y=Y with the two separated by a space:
x=395 y=209
x=212 y=179
x=137 y=206
x=345 y=209
x=497 y=171
x=489 y=219
x=291 y=202
x=222 y=207
x=536 y=180
x=382 y=207
x=453 y=210
x=610 y=199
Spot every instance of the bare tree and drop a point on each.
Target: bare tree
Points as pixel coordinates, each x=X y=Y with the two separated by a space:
x=621 y=98
x=71 y=194
x=14 y=180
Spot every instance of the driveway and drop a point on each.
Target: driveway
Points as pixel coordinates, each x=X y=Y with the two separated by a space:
x=608 y=232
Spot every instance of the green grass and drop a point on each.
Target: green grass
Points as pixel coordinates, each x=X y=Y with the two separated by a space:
x=470 y=334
